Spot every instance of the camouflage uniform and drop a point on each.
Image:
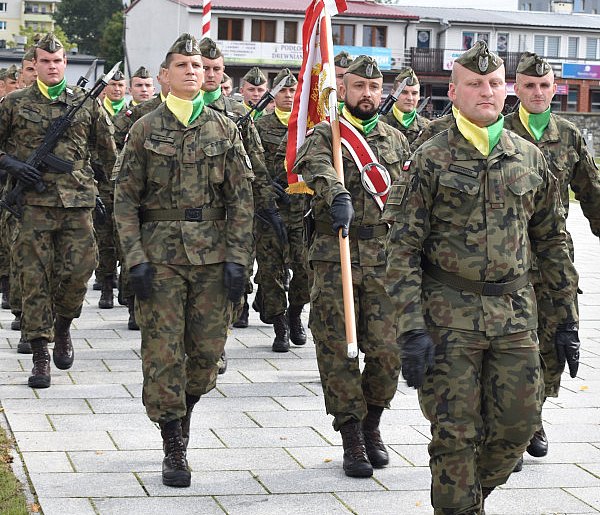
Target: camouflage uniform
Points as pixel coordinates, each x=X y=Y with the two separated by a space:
x=414 y=130
x=127 y=117
x=347 y=391
x=433 y=127
x=165 y=166
x=482 y=396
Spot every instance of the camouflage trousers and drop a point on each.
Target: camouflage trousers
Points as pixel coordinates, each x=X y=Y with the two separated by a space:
x=483 y=401
x=8 y=224
x=275 y=258
x=347 y=391
x=184 y=328
x=106 y=236
x=5 y=250
x=55 y=254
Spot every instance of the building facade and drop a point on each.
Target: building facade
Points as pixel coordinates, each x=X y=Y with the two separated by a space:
x=30 y=14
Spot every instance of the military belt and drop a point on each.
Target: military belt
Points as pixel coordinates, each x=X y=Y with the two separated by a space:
x=488 y=289
x=359 y=232
x=190 y=214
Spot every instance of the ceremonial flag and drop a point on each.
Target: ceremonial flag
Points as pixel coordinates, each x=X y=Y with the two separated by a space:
x=315 y=81
x=206 y=18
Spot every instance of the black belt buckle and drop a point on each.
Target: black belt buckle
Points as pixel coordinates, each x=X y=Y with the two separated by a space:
x=493 y=289
x=193 y=214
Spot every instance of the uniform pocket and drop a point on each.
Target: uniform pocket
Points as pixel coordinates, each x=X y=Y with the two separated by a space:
x=161 y=159
x=456 y=199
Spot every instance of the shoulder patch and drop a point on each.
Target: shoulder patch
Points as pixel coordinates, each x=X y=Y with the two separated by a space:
x=406 y=165
x=128 y=113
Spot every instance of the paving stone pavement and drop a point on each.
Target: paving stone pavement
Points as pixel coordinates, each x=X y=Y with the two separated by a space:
x=261 y=441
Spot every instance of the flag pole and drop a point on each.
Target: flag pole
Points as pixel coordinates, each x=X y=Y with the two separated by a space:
x=338 y=164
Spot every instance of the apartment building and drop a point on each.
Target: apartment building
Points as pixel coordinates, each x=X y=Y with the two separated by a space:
x=34 y=14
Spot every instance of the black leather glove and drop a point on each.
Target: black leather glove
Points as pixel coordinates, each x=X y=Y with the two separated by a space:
x=140 y=278
x=27 y=174
x=566 y=341
x=271 y=216
x=342 y=213
x=282 y=195
x=100 y=211
x=417 y=356
x=234 y=280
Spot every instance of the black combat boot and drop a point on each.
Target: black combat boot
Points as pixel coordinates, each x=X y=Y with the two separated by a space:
x=281 y=343
x=242 y=321
x=376 y=451
x=190 y=402
x=519 y=465
x=223 y=363
x=97 y=286
x=15 y=325
x=356 y=462
x=5 y=287
x=106 y=296
x=538 y=445
x=63 y=353
x=297 y=333
x=24 y=346
x=132 y=323
x=485 y=492
x=40 y=373
x=175 y=470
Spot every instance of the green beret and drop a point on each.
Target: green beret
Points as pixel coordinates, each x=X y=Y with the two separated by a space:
x=479 y=59
x=118 y=76
x=364 y=66
x=413 y=80
x=186 y=44
x=533 y=65
x=12 y=72
x=2 y=73
x=210 y=49
x=142 y=72
x=287 y=76
x=255 y=76
x=49 y=43
x=343 y=59
x=225 y=78
x=29 y=55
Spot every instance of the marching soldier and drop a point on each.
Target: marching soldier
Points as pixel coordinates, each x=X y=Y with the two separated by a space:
x=183 y=205
x=226 y=85
x=404 y=116
x=2 y=84
x=272 y=271
x=341 y=62
x=141 y=86
x=114 y=98
x=53 y=242
x=28 y=74
x=468 y=213
x=253 y=87
x=355 y=399
x=569 y=160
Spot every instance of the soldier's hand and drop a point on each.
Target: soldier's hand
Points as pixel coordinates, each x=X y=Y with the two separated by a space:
x=271 y=216
x=567 y=344
x=282 y=195
x=417 y=350
x=234 y=279
x=140 y=278
x=100 y=213
x=342 y=213
x=27 y=174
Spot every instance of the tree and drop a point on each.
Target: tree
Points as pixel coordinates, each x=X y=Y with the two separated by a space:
x=31 y=36
x=84 y=21
x=111 y=42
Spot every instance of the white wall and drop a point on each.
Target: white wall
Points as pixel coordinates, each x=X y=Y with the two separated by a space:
x=502 y=5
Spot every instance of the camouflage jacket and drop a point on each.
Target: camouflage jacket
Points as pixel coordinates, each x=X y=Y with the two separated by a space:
x=272 y=133
x=25 y=117
x=315 y=163
x=264 y=196
x=434 y=127
x=569 y=160
x=127 y=117
x=165 y=165
x=412 y=132
x=481 y=219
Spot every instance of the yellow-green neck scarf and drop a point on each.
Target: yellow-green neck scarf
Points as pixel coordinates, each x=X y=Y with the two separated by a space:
x=406 y=119
x=255 y=114
x=483 y=139
x=186 y=111
x=534 y=123
x=52 y=92
x=113 y=107
x=365 y=126
x=162 y=97
x=283 y=116
x=340 y=105
x=134 y=103
x=212 y=96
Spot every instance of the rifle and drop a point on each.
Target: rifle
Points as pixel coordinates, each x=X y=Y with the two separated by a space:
x=422 y=105
x=514 y=108
x=13 y=200
x=263 y=102
x=392 y=97
x=447 y=109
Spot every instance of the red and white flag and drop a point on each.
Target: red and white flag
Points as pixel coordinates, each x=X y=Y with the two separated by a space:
x=316 y=80
x=206 y=18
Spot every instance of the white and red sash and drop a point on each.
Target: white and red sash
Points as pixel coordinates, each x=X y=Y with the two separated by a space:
x=362 y=154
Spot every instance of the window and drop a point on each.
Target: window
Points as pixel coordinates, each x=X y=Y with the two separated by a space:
x=572 y=99
x=538 y=45
x=3 y=7
x=423 y=38
x=290 y=32
x=343 y=34
x=591 y=48
x=2 y=25
x=469 y=38
x=263 y=31
x=374 y=35
x=548 y=46
x=502 y=42
x=231 y=29
x=553 y=48
x=573 y=50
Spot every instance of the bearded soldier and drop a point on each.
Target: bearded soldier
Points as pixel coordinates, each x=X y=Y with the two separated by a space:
x=356 y=399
